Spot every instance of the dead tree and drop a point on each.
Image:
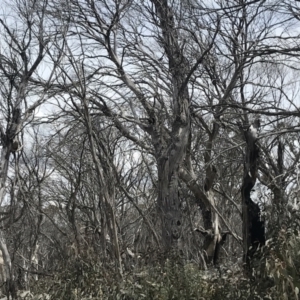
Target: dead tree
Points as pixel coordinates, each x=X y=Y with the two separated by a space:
x=253 y=225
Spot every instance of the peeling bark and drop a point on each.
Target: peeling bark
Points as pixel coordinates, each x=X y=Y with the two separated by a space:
x=169 y=202
x=213 y=237
x=212 y=240
x=170 y=153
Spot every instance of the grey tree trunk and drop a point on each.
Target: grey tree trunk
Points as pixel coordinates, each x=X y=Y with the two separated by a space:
x=170 y=157
x=8 y=141
x=168 y=199
x=21 y=61
x=213 y=238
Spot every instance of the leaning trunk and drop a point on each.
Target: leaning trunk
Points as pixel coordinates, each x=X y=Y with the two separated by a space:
x=212 y=234
x=212 y=237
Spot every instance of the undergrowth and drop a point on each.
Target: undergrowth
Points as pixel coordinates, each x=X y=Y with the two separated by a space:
x=276 y=276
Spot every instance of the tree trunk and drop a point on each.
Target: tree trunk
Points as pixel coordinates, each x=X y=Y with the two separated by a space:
x=253 y=226
x=168 y=202
x=213 y=238
x=170 y=152
x=9 y=276
x=107 y=198
x=210 y=218
x=7 y=148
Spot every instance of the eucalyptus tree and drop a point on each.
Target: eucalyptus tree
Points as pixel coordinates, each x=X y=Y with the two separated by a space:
x=252 y=56
x=24 y=40
x=153 y=96
x=24 y=216
x=171 y=74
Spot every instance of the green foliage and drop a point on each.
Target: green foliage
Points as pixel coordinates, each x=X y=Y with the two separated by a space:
x=170 y=281
x=94 y=281
x=275 y=276
x=282 y=264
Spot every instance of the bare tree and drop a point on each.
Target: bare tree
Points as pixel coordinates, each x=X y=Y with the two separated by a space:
x=176 y=79
x=23 y=46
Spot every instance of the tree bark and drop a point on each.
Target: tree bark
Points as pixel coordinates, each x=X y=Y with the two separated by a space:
x=211 y=219
x=253 y=225
x=168 y=200
x=170 y=157
x=210 y=215
x=7 y=148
